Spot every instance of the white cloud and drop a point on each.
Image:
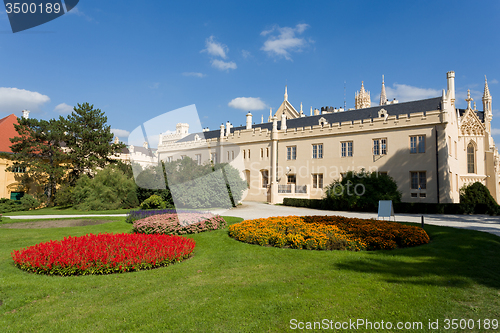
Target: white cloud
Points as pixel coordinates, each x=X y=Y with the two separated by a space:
x=285 y=42
x=223 y=65
x=196 y=74
x=246 y=54
x=155 y=85
x=215 y=49
x=120 y=132
x=247 y=103
x=76 y=11
x=495 y=131
x=405 y=93
x=63 y=108
x=14 y=100
x=494 y=81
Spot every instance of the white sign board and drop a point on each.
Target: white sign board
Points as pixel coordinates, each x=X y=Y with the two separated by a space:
x=385 y=209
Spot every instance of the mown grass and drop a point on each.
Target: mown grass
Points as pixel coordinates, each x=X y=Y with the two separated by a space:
x=65 y=211
x=7 y=220
x=229 y=286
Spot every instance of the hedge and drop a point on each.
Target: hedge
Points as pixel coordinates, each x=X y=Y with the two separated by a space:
x=400 y=208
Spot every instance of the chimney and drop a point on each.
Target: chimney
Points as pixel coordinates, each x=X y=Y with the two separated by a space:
x=221 y=131
x=249 y=120
x=26 y=114
x=450 y=76
x=283 y=121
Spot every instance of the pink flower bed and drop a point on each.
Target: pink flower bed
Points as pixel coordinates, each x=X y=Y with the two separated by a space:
x=179 y=224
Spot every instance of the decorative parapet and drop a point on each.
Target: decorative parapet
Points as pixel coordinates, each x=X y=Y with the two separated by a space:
x=470 y=179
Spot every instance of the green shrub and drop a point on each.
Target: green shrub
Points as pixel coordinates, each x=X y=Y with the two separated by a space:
x=109 y=189
x=64 y=196
x=7 y=206
x=361 y=191
x=152 y=181
x=204 y=186
x=306 y=203
x=476 y=199
x=29 y=202
x=153 y=202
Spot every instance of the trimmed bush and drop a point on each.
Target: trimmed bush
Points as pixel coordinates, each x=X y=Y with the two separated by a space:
x=328 y=233
x=476 y=199
x=103 y=254
x=153 y=202
x=179 y=224
x=29 y=202
x=361 y=191
x=7 y=206
x=306 y=203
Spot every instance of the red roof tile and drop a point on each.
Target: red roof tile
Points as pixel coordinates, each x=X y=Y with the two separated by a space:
x=7 y=131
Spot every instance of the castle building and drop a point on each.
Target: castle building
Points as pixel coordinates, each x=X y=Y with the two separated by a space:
x=429 y=147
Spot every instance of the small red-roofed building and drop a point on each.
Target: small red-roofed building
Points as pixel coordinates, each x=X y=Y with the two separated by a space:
x=8 y=180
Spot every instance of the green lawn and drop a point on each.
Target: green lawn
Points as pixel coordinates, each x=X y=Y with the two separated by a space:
x=228 y=286
x=66 y=211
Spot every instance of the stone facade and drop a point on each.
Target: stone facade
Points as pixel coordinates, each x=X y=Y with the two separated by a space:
x=429 y=147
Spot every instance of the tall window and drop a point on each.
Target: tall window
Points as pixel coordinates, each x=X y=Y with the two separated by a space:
x=380 y=146
x=265 y=178
x=471 y=158
x=19 y=169
x=418 y=180
x=291 y=179
x=213 y=157
x=198 y=159
x=449 y=145
x=417 y=144
x=317 y=151
x=317 y=179
x=291 y=153
x=346 y=148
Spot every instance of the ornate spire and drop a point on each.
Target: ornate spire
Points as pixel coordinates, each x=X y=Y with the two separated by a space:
x=486 y=89
x=468 y=99
x=286 y=93
x=383 y=96
x=362 y=98
x=487 y=102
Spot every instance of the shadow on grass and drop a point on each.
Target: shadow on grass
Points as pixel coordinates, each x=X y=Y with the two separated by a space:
x=453 y=258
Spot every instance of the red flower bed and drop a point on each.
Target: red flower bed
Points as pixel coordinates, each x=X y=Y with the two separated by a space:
x=103 y=254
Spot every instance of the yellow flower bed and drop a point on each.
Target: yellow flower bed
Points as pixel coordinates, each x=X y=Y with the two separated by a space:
x=327 y=233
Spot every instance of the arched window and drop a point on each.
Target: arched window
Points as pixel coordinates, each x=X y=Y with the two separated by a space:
x=471 y=158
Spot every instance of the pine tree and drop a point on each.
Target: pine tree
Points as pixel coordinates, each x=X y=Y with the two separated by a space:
x=89 y=140
x=37 y=150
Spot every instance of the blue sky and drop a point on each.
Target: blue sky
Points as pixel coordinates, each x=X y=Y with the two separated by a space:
x=137 y=60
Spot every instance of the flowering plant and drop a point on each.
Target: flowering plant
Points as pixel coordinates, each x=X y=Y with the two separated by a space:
x=103 y=254
x=327 y=233
x=179 y=224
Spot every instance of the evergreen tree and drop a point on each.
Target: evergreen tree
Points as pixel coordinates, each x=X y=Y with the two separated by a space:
x=37 y=150
x=89 y=140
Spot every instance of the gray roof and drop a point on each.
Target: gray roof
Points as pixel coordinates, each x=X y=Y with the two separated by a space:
x=139 y=149
x=479 y=114
x=397 y=109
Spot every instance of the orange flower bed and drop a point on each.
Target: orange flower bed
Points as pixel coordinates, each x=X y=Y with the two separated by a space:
x=328 y=233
